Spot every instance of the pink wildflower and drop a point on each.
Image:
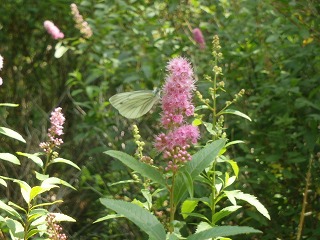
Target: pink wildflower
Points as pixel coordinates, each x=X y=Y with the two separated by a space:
x=176 y=106
x=53 y=30
x=57 y=120
x=82 y=25
x=198 y=37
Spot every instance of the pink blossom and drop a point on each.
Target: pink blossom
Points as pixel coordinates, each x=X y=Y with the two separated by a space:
x=57 y=120
x=177 y=106
x=198 y=37
x=53 y=30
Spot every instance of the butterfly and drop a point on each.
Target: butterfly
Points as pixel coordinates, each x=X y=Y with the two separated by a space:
x=135 y=104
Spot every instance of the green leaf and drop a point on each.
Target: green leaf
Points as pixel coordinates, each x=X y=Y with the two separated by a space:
x=140 y=167
x=148 y=197
x=25 y=189
x=250 y=199
x=203 y=158
x=53 y=180
x=123 y=182
x=189 y=182
x=3 y=182
x=10 y=158
x=35 y=191
x=8 y=105
x=110 y=216
x=234 y=166
x=34 y=157
x=41 y=177
x=203 y=226
x=200 y=160
x=139 y=216
x=13 y=134
x=188 y=206
x=9 y=210
x=16 y=228
x=17 y=206
x=62 y=160
x=235 y=112
x=223 y=213
x=222 y=231
x=234 y=142
x=196 y=122
x=32 y=232
x=46 y=204
x=59 y=217
x=209 y=127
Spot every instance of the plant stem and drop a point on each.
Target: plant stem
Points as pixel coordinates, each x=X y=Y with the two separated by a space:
x=172 y=205
x=305 y=198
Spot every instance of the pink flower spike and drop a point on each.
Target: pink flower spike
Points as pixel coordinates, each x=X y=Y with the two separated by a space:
x=198 y=37
x=53 y=30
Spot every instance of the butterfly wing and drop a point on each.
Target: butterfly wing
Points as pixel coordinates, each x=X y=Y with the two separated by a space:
x=134 y=104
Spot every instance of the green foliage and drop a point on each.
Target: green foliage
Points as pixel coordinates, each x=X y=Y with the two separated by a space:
x=270 y=50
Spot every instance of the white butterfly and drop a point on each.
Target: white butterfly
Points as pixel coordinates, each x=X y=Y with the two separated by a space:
x=135 y=104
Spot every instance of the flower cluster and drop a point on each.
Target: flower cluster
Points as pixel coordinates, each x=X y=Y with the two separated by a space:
x=54 y=229
x=57 y=120
x=53 y=30
x=1 y=66
x=176 y=106
x=82 y=25
x=198 y=37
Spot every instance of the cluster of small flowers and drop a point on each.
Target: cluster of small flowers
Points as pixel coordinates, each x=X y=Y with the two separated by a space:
x=53 y=30
x=198 y=37
x=54 y=229
x=57 y=120
x=176 y=106
x=82 y=25
x=1 y=66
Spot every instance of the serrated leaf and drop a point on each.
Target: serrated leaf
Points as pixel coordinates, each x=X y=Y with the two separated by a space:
x=140 y=167
x=234 y=112
x=252 y=200
x=10 y=158
x=110 y=216
x=66 y=161
x=34 y=157
x=188 y=206
x=203 y=226
x=13 y=134
x=223 y=213
x=222 y=231
x=139 y=216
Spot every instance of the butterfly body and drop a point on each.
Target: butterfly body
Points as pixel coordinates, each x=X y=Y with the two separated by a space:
x=135 y=104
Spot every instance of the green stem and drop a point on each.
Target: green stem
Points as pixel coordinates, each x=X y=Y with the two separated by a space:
x=172 y=205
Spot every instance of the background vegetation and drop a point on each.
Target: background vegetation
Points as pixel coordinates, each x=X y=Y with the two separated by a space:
x=271 y=49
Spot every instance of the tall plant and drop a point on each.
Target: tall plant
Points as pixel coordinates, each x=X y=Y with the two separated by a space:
x=177 y=170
